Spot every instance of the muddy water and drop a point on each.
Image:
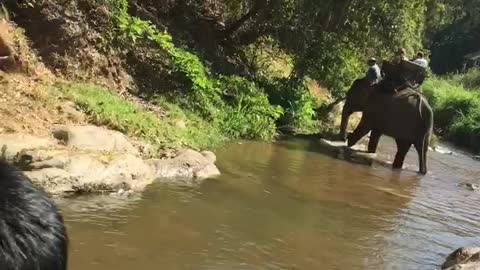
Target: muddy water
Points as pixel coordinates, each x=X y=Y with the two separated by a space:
x=284 y=206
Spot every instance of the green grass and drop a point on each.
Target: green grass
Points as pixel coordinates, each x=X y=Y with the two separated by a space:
x=469 y=80
x=107 y=109
x=456 y=110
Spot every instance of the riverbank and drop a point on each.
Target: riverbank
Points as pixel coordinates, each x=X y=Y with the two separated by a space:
x=45 y=131
x=74 y=135
x=455 y=100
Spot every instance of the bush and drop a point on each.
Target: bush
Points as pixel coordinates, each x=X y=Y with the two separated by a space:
x=470 y=79
x=233 y=104
x=456 y=111
x=466 y=131
x=106 y=108
x=297 y=102
x=248 y=113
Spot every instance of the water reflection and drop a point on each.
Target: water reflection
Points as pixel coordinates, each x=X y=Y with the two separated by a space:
x=281 y=206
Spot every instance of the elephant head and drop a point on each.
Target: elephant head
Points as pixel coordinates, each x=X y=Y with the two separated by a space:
x=356 y=99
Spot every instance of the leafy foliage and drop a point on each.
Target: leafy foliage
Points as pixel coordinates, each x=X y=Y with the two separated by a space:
x=249 y=113
x=246 y=114
x=274 y=45
x=469 y=79
x=456 y=111
x=297 y=102
x=106 y=108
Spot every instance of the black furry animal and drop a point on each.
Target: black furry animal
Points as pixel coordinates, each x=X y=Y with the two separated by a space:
x=32 y=232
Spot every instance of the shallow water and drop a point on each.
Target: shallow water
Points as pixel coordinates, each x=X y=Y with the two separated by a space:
x=284 y=206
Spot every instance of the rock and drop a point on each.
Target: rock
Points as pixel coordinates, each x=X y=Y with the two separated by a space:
x=122 y=193
x=353 y=154
x=70 y=109
x=145 y=149
x=187 y=164
x=476 y=157
x=11 y=144
x=94 y=138
x=442 y=150
x=210 y=156
x=472 y=187
x=65 y=171
x=62 y=172
x=465 y=266
x=96 y=159
x=466 y=258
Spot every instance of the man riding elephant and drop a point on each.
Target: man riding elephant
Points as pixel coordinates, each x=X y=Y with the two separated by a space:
x=374 y=75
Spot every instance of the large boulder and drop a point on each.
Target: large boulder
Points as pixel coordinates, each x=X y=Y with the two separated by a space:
x=467 y=258
x=95 y=159
x=94 y=138
x=12 y=144
x=61 y=171
x=187 y=164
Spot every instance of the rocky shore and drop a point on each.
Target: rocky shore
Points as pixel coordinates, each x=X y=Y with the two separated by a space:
x=83 y=159
x=466 y=258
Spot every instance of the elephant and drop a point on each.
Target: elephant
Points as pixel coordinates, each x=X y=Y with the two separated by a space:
x=406 y=116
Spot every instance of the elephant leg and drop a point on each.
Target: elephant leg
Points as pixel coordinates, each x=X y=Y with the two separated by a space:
x=346 y=112
x=422 y=147
x=373 y=141
x=402 y=150
x=362 y=129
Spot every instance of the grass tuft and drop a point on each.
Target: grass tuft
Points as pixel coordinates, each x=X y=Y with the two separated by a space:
x=176 y=129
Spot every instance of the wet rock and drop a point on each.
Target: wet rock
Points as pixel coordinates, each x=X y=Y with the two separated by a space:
x=442 y=150
x=96 y=160
x=472 y=187
x=94 y=138
x=466 y=258
x=61 y=172
x=144 y=149
x=122 y=193
x=12 y=144
x=354 y=153
x=187 y=164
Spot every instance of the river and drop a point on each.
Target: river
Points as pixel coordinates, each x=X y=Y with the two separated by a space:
x=284 y=205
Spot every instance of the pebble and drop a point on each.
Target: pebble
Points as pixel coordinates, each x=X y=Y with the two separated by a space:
x=472 y=187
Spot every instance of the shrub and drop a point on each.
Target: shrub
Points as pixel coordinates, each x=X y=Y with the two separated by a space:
x=297 y=102
x=106 y=108
x=248 y=113
x=235 y=105
x=470 y=79
x=466 y=131
x=456 y=111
